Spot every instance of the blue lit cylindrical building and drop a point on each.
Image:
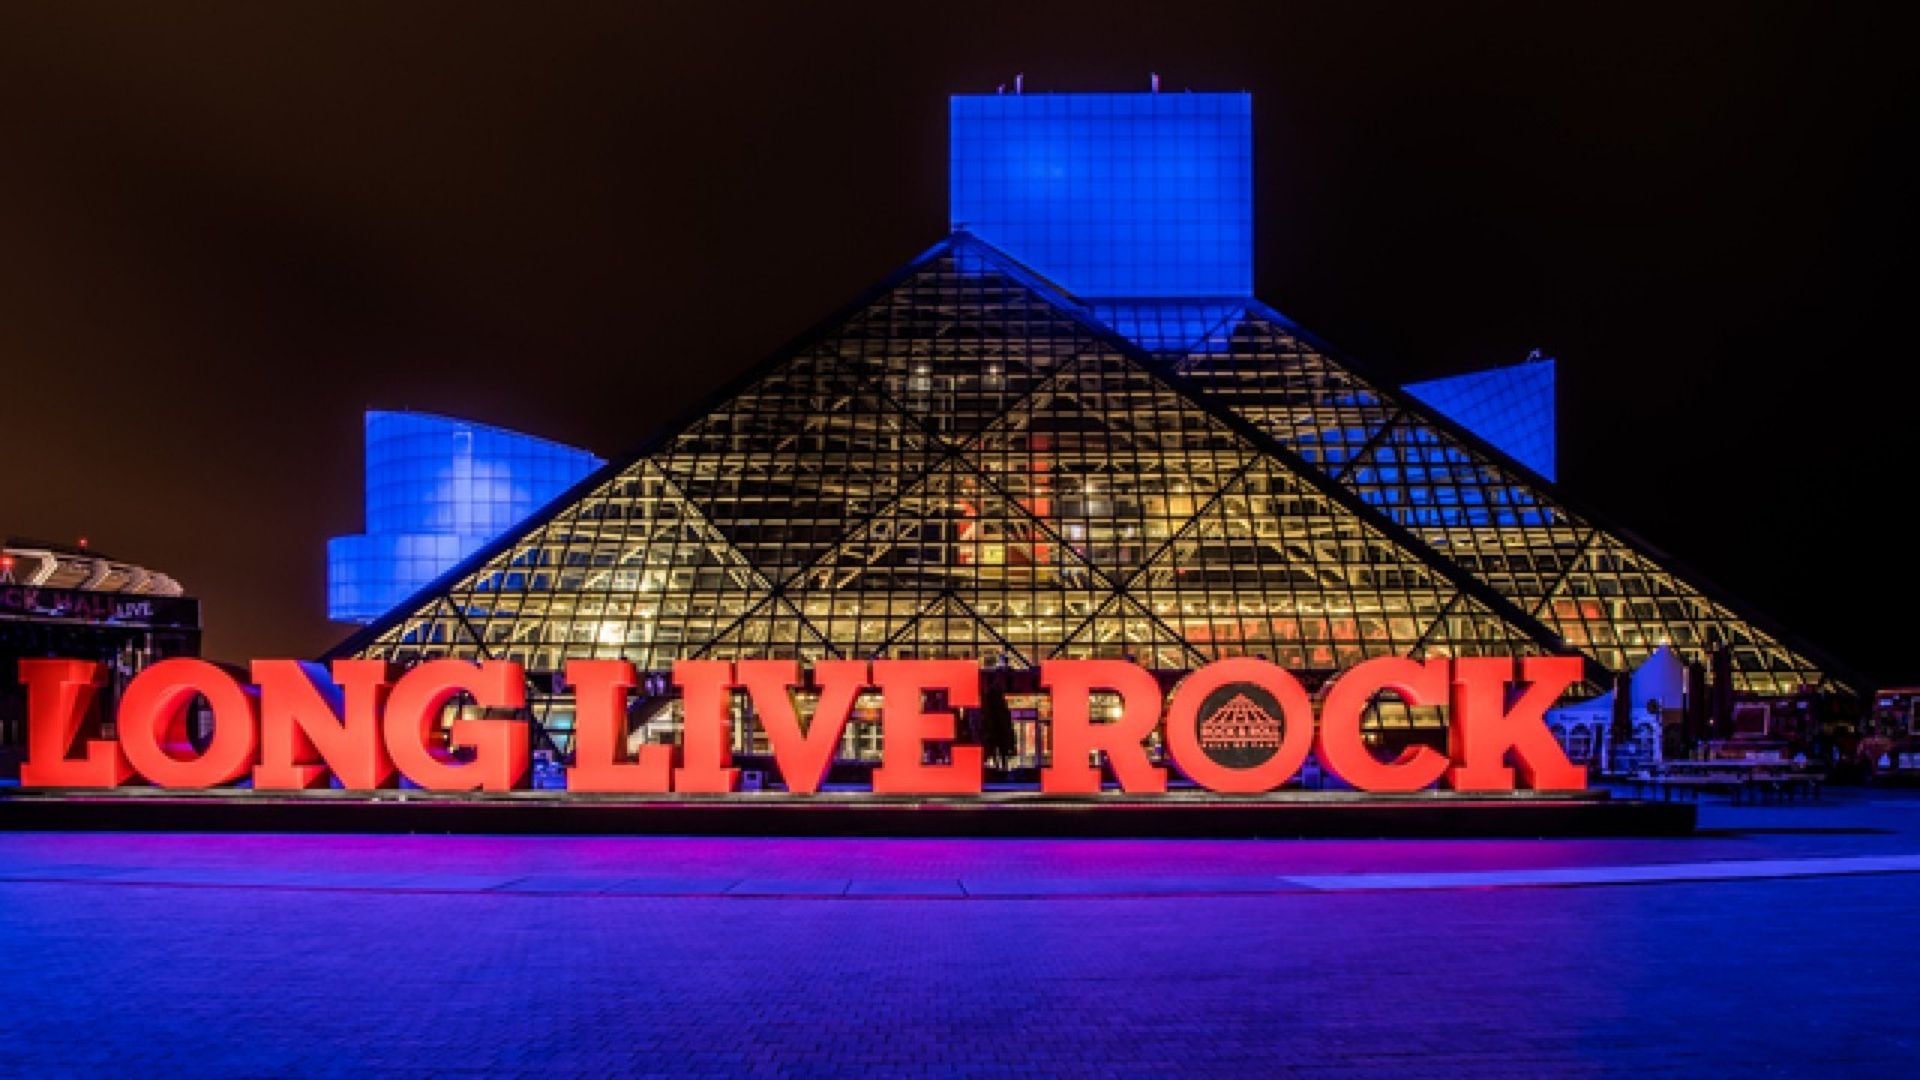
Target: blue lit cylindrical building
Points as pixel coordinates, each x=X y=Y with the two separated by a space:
x=437 y=489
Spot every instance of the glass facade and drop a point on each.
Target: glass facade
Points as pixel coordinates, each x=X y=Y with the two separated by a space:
x=1123 y=195
x=1511 y=407
x=437 y=490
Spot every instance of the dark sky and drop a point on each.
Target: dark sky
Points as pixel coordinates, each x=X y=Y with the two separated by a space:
x=226 y=232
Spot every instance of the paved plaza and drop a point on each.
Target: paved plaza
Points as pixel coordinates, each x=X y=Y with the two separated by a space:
x=1782 y=940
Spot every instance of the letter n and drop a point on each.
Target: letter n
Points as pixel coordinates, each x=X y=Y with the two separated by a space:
x=313 y=726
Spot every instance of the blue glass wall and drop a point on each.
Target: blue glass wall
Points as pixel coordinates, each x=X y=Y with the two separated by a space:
x=1110 y=195
x=1510 y=407
x=437 y=490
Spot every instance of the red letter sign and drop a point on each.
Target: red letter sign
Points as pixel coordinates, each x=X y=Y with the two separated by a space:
x=153 y=725
x=312 y=726
x=58 y=695
x=1240 y=726
x=1075 y=735
x=499 y=745
x=706 y=728
x=600 y=733
x=906 y=727
x=803 y=756
x=1483 y=729
x=1345 y=753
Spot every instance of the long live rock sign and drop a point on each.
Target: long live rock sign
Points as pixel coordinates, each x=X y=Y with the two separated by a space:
x=296 y=730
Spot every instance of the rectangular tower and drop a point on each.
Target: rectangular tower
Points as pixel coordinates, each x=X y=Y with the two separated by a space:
x=1110 y=195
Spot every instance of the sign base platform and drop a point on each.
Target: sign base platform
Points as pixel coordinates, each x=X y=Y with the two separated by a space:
x=1285 y=814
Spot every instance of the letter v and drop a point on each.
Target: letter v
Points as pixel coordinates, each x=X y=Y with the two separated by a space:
x=803 y=756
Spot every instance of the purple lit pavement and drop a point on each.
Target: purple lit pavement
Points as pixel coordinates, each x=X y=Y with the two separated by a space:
x=1781 y=940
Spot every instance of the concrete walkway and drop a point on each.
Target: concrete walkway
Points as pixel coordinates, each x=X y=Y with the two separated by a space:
x=1773 y=942
x=261 y=876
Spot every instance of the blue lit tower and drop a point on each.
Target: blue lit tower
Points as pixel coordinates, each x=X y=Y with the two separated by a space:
x=1111 y=195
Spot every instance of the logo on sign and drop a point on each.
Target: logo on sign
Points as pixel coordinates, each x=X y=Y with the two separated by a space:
x=1240 y=726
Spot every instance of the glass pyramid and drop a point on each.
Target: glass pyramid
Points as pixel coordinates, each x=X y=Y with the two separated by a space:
x=967 y=466
x=972 y=465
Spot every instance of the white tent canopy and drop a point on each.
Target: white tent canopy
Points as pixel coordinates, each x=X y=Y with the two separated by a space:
x=1662 y=678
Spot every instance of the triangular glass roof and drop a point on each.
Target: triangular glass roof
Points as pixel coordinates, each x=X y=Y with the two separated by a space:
x=1512 y=407
x=1470 y=505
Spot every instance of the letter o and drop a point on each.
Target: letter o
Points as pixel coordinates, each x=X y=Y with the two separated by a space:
x=1183 y=726
x=153 y=714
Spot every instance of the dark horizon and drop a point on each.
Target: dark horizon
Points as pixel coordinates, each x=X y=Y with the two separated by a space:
x=233 y=231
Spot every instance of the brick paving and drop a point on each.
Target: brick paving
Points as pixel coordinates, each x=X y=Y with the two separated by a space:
x=127 y=955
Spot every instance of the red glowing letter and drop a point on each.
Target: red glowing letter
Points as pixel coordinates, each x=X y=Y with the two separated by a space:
x=153 y=725
x=312 y=726
x=59 y=693
x=905 y=727
x=1345 y=753
x=1483 y=729
x=803 y=756
x=1247 y=727
x=1075 y=735
x=499 y=745
x=600 y=733
x=706 y=728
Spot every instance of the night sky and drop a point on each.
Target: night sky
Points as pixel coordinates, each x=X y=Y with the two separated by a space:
x=224 y=233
